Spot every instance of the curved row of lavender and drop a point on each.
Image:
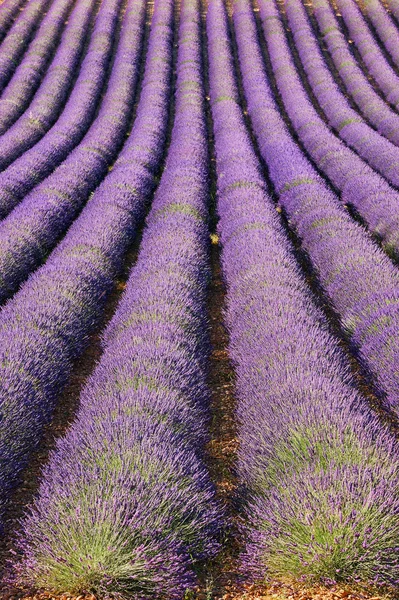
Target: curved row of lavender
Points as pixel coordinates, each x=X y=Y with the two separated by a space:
x=9 y=9
x=77 y=116
x=45 y=327
x=358 y=86
x=27 y=76
x=53 y=92
x=373 y=58
x=361 y=282
x=320 y=471
x=18 y=38
x=361 y=187
x=393 y=6
x=381 y=154
x=126 y=505
x=35 y=225
x=68 y=292
x=384 y=27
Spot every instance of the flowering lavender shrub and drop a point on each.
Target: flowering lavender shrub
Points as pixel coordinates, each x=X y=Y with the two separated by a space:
x=371 y=146
x=320 y=471
x=44 y=328
x=30 y=71
x=383 y=26
x=38 y=162
x=18 y=37
x=372 y=106
x=360 y=281
x=372 y=197
x=8 y=11
x=126 y=505
x=35 y=225
x=50 y=98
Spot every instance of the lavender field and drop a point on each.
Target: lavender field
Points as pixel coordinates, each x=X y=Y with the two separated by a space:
x=199 y=299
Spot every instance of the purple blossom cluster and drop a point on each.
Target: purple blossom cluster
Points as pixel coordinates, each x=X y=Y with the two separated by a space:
x=77 y=116
x=27 y=76
x=44 y=328
x=360 y=186
x=381 y=154
x=393 y=6
x=8 y=10
x=361 y=282
x=384 y=27
x=371 y=105
x=18 y=37
x=126 y=505
x=52 y=94
x=34 y=226
x=320 y=471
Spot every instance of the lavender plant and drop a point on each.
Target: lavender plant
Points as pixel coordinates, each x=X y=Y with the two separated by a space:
x=126 y=506
x=53 y=92
x=384 y=27
x=360 y=281
x=8 y=11
x=320 y=471
x=38 y=162
x=361 y=187
x=379 y=153
x=372 y=106
x=30 y=71
x=45 y=327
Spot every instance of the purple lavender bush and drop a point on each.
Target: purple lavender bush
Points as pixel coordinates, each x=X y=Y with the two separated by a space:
x=49 y=100
x=126 y=506
x=35 y=225
x=384 y=26
x=27 y=76
x=361 y=283
x=18 y=38
x=375 y=149
x=38 y=162
x=319 y=470
x=8 y=11
x=45 y=327
x=358 y=86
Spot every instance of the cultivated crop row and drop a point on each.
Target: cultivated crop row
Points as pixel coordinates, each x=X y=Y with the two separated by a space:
x=319 y=468
x=46 y=325
x=135 y=449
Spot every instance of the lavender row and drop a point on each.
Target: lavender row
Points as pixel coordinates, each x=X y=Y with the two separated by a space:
x=35 y=225
x=50 y=98
x=320 y=470
x=30 y=71
x=361 y=282
x=45 y=327
x=394 y=8
x=358 y=86
x=361 y=187
x=381 y=154
x=38 y=162
x=131 y=463
x=384 y=27
x=377 y=66
x=8 y=11
x=18 y=37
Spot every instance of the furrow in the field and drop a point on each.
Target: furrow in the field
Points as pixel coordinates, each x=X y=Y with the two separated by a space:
x=361 y=282
x=358 y=86
x=49 y=100
x=9 y=9
x=76 y=118
x=29 y=73
x=347 y=123
x=45 y=327
x=393 y=6
x=127 y=486
x=319 y=468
